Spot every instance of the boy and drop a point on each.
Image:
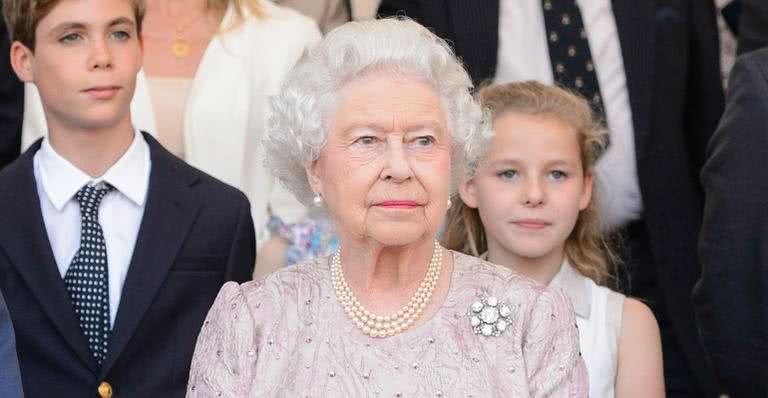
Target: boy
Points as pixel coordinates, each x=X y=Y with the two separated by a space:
x=111 y=249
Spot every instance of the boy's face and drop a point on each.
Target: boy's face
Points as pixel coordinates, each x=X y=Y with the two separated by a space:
x=84 y=64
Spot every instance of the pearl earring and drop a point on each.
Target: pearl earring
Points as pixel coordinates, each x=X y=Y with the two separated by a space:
x=317 y=200
x=450 y=203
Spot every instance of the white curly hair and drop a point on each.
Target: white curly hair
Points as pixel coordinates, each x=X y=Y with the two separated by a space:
x=298 y=122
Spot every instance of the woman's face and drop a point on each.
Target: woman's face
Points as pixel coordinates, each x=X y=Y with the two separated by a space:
x=530 y=187
x=385 y=170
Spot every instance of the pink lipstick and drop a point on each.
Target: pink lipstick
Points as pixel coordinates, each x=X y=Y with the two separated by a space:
x=398 y=204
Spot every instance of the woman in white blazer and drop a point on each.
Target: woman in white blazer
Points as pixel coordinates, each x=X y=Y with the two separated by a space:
x=215 y=71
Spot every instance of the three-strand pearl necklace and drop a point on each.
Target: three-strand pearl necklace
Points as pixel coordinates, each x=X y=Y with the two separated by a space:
x=388 y=325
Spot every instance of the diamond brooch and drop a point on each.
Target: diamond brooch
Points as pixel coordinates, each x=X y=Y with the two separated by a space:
x=489 y=317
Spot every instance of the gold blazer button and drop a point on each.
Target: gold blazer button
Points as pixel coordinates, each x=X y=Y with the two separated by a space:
x=105 y=390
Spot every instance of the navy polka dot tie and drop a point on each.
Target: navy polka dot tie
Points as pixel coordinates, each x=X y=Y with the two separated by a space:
x=86 y=279
x=572 y=63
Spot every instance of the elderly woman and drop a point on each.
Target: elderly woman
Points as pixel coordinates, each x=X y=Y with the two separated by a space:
x=375 y=124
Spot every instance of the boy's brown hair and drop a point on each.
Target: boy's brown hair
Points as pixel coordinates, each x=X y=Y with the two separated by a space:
x=23 y=16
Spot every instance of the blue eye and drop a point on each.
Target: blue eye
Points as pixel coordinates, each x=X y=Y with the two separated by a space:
x=121 y=35
x=507 y=174
x=70 y=38
x=426 y=140
x=558 y=175
x=366 y=140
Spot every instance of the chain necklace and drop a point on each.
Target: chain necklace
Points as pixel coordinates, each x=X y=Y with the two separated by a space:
x=388 y=325
x=181 y=46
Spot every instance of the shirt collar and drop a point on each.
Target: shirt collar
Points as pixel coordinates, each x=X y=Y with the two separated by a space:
x=129 y=175
x=573 y=284
x=575 y=287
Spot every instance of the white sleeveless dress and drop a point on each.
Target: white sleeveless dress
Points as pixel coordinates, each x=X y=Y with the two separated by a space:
x=599 y=312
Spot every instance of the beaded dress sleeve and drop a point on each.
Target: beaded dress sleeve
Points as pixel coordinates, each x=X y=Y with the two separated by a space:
x=551 y=348
x=225 y=358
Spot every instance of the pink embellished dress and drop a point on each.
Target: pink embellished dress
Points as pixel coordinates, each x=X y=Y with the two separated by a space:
x=287 y=336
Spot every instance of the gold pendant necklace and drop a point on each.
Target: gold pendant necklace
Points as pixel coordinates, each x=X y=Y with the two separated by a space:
x=180 y=48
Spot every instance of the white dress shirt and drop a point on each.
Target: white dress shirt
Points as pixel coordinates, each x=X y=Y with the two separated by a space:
x=120 y=213
x=523 y=54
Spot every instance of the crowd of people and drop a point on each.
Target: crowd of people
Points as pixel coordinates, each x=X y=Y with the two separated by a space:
x=242 y=198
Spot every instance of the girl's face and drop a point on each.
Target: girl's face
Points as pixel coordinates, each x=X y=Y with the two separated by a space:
x=530 y=187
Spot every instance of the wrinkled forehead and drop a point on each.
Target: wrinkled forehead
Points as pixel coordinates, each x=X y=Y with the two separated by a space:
x=384 y=101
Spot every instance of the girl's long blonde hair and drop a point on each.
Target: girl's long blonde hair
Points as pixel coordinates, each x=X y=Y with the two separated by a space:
x=587 y=247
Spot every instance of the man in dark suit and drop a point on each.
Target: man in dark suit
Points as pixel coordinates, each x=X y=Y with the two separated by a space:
x=753 y=25
x=651 y=68
x=11 y=104
x=731 y=300
x=112 y=250
x=10 y=379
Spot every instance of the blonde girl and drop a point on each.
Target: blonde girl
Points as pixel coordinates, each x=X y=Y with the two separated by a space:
x=528 y=205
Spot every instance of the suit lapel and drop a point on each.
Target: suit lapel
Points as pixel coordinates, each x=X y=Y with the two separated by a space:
x=170 y=210
x=30 y=252
x=636 y=24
